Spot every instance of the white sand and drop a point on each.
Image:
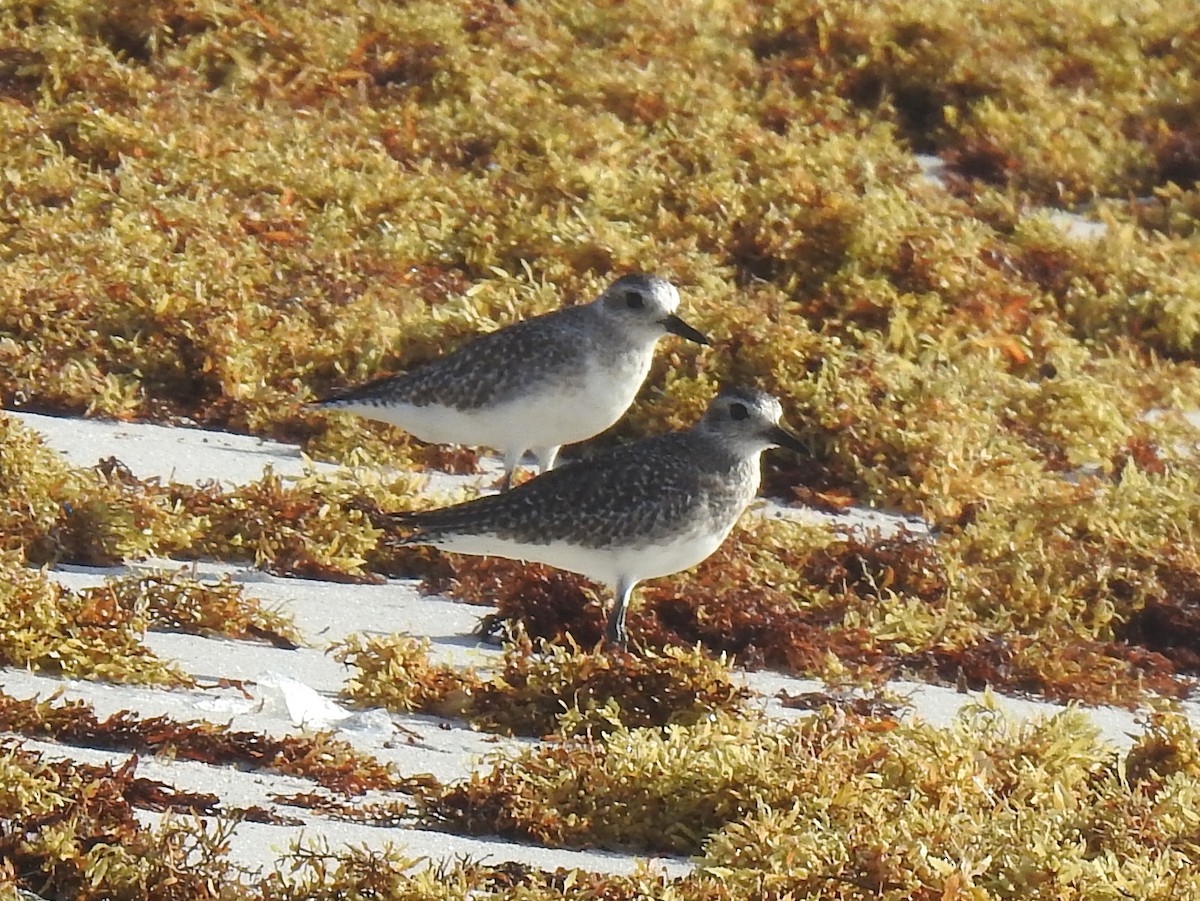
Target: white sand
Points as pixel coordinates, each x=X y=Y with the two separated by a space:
x=300 y=686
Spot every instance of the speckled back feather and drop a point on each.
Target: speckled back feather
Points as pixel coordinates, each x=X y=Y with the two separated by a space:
x=488 y=369
x=642 y=491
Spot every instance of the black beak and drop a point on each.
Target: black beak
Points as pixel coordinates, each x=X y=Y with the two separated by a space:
x=781 y=437
x=677 y=326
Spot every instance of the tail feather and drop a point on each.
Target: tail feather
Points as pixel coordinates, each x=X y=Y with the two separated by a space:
x=401 y=528
x=376 y=389
x=428 y=526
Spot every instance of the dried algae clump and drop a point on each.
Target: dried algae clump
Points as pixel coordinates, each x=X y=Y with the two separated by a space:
x=313 y=525
x=310 y=527
x=987 y=808
x=312 y=870
x=331 y=763
x=75 y=833
x=837 y=805
x=395 y=672
x=1064 y=100
x=175 y=602
x=854 y=807
x=52 y=511
x=46 y=627
x=660 y=789
x=542 y=688
x=315 y=871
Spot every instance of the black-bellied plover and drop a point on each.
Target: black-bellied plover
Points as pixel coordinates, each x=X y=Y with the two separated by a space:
x=537 y=384
x=635 y=512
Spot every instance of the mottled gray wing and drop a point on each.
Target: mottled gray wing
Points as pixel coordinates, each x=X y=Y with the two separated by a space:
x=643 y=489
x=488 y=369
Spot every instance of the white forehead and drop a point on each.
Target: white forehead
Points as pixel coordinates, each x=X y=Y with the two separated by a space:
x=666 y=295
x=771 y=407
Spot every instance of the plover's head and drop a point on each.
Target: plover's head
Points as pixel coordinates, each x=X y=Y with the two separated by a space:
x=645 y=305
x=749 y=420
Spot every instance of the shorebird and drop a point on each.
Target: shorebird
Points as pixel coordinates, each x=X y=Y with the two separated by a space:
x=537 y=384
x=639 y=511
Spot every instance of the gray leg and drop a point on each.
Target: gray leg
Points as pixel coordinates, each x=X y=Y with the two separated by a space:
x=616 y=634
x=512 y=459
x=546 y=457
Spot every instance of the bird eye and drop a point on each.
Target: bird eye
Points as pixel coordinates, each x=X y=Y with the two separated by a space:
x=738 y=411
x=634 y=300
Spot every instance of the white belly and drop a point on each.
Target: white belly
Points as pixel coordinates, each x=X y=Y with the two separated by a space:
x=606 y=565
x=546 y=415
